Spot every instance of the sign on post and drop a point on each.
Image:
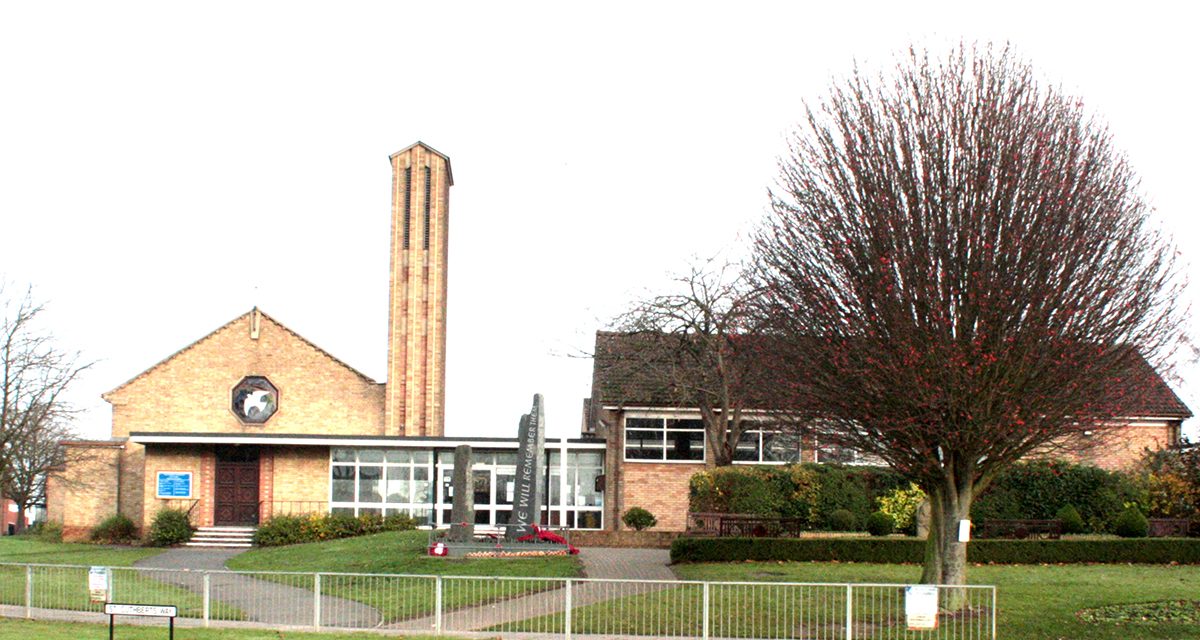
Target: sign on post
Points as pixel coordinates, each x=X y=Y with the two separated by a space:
x=174 y=484
x=151 y=610
x=169 y=611
x=98 y=584
x=920 y=606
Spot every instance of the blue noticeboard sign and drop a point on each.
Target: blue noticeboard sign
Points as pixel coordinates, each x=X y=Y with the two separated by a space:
x=174 y=484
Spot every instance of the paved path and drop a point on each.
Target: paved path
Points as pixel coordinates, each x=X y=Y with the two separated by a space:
x=598 y=564
x=626 y=564
x=259 y=600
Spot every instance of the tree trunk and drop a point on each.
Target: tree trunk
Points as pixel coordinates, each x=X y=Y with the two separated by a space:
x=20 y=527
x=945 y=555
x=932 y=573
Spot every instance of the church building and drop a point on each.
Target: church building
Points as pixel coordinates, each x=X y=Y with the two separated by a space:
x=253 y=420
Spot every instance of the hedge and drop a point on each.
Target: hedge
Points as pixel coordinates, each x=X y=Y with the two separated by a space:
x=912 y=551
x=296 y=529
x=1037 y=490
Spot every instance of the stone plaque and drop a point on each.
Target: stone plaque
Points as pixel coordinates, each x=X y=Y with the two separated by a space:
x=531 y=463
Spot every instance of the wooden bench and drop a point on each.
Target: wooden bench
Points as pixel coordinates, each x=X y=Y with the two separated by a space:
x=703 y=524
x=1169 y=527
x=761 y=527
x=1020 y=529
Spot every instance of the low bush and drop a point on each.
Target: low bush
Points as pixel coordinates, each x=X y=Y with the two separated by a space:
x=45 y=531
x=902 y=504
x=880 y=524
x=289 y=529
x=1072 y=522
x=115 y=529
x=1131 y=524
x=639 y=518
x=912 y=551
x=170 y=526
x=843 y=520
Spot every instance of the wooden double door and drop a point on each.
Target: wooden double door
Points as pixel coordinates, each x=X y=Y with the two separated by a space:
x=235 y=492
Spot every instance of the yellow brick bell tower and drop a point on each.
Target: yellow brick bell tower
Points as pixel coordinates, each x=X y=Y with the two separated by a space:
x=416 y=383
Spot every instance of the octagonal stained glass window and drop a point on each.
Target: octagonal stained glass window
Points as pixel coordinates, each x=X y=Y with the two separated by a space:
x=255 y=400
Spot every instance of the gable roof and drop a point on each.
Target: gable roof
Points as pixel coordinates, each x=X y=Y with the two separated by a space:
x=418 y=143
x=616 y=383
x=221 y=328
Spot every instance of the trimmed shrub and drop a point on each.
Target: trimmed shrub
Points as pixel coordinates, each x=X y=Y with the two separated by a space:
x=910 y=551
x=736 y=490
x=639 y=519
x=115 y=529
x=901 y=504
x=1132 y=524
x=843 y=520
x=880 y=524
x=170 y=526
x=810 y=493
x=291 y=529
x=1072 y=522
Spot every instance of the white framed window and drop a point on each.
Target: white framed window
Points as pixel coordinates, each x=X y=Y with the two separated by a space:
x=664 y=439
x=493 y=484
x=381 y=482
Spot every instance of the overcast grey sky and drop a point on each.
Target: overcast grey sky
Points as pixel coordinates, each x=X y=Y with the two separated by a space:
x=164 y=167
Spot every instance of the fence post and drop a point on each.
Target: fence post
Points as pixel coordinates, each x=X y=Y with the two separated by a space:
x=207 y=596
x=317 y=600
x=112 y=585
x=993 y=613
x=28 y=591
x=849 y=612
x=704 y=616
x=567 y=613
x=437 y=605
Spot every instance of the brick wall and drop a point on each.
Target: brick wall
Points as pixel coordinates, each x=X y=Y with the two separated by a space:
x=191 y=392
x=86 y=488
x=660 y=488
x=180 y=458
x=301 y=474
x=1121 y=448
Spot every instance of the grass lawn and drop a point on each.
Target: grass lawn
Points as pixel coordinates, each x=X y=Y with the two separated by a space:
x=30 y=550
x=66 y=587
x=14 y=629
x=405 y=552
x=1036 y=602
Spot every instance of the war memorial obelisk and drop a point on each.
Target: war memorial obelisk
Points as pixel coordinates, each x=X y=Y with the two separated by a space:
x=531 y=462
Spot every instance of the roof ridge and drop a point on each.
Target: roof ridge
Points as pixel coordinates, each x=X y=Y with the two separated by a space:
x=107 y=395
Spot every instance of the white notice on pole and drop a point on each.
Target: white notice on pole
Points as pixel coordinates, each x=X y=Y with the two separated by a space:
x=964 y=530
x=98 y=584
x=920 y=606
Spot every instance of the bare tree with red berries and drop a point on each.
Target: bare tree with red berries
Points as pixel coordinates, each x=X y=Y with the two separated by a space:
x=689 y=348
x=960 y=271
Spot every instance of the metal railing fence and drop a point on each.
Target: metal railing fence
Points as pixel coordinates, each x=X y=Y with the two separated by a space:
x=507 y=606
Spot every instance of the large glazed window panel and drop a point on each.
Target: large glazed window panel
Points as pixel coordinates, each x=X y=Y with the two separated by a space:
x=368 y=483
x=781 y=447
x=343 y=483
x=747 y=447
x=685 y=445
